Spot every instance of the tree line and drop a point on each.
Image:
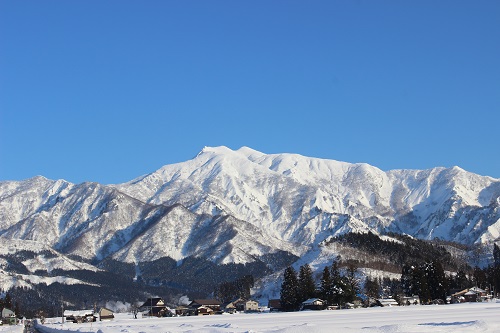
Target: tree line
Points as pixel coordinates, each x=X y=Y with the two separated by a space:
x=429 y=281
x=229 y=291
x=420 y=276
x=336 y=287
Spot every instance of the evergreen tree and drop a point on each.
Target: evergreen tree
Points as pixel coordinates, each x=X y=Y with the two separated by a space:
x=348 y=294
x=244 y=285
x=461 y=281
x=326 y=288
x=17 y=309
x=495 y=280
x=407 y=280
x=352 y=283
x=391 y=287
x=230 y=290
x=492 y=273
x=290 y=290
x=338 y=284
x=372 y=288
x=414 y=282
x=479 y=277
x=8 y=301
x=307 y=287
x=496 y=255
x=420 y=286
x=436 y=280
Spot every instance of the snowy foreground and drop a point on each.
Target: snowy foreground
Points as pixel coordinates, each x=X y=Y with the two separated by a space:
x=468 y=317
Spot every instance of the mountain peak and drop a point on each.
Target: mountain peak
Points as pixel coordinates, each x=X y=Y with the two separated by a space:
x=250 y=153
x=245 y=152
x=220 y=150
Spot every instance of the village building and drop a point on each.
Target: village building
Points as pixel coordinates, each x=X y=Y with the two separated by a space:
x=204 y=311
x=387 y=302
x=242 y=305
x=236 y=306
x=313 y=304
x=354 y=305
x=8 y=317
x=274 y=305
x=410 y=300
x=473 y=294
x=251 y=306
x=482 y=295
x=470 y=296
x=106 y=314
x=182 y=310
x=200 y=307
x=458 y=297
x=229 y=308
x=155 y=307
x=80 y=316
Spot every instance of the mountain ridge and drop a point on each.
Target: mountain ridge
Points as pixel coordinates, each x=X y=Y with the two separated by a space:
x=267 y=202
x=367 y=185
x=222 y=215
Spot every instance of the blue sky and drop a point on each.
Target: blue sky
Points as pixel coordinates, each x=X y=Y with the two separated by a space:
x=107 y=91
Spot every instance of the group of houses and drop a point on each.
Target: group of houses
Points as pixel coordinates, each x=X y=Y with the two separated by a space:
x=156 y=306
x=311 y=304
x=199 y=307
x=473 y=294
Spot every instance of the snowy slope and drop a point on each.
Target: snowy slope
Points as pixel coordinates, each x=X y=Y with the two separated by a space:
x=234 y=206
x=9 y=280
x=41 y=258
x=456 y=318
x=303 y=200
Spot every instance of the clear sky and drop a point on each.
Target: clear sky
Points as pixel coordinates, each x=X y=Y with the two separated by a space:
x=107 y=91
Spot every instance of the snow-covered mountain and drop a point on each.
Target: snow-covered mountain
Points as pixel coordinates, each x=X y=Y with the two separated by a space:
x=35 y=257
x=302 y=200
x=236 y=206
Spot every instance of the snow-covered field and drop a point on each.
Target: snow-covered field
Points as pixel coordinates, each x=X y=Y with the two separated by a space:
x=469 y=317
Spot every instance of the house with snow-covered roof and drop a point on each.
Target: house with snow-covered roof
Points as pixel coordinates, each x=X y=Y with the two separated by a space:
x=410 y=300
x=474 y=294
x=205 y=306
x=387 y=302
x=483 y=294
x=242 y=304
x=251 y=306
x=8 y=317
x=155 y=307
x=80 y=316
x=313 y=304
x=106 y=314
